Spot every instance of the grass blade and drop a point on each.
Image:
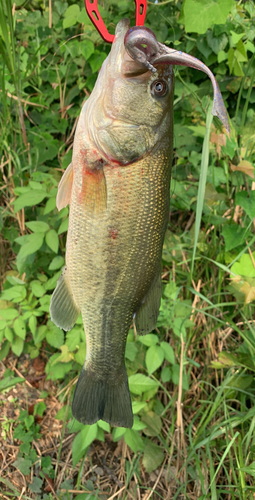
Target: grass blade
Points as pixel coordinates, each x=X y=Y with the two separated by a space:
x=202 y=182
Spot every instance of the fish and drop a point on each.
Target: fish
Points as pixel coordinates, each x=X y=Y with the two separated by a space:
x=118 y=189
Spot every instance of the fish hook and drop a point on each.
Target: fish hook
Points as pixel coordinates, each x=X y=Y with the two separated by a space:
x=96 y=18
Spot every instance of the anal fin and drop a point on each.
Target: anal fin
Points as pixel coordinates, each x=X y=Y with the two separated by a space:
x=65 y=188
x=63 y=310
x=147 y=314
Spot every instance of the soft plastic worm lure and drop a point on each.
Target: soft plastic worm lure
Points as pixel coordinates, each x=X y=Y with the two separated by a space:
x=142 y=45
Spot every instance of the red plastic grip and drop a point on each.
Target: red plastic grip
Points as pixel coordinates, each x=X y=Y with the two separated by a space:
x=95 y=17
x=141 y=6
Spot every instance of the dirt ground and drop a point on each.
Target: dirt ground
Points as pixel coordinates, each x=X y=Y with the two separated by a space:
x=106 y=467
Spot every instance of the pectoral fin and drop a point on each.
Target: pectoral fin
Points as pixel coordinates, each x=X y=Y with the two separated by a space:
x=65 y=188
x=93 y=194
x=146 y=317
x=63 y=310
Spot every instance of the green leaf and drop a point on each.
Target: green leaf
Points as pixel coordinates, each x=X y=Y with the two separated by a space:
x=38 y=226
x=244 y=266
x=15 y=294
x=137 y=406
x=153 y=423
x=222 y=56
x=24 y=465
x=133 y=440
x=52 y=282
x=104 y=425
x=87 y=48
x=176 y=374
x=199 y=15
x=117 y=433
x=20 y=328
x=65 y=354
x=139 y=383
x=234 y=235
x=166 y=374
x=17 y=346
x=154 y=358
x=84 y=19
x=131 y=351
x=8 y=334
x=65 y=413
x=32 y=323
x=5 y=347
x=96 y=60
x=52 y=240
x=249 y=469
x=71 y=16
x=55 y=370
x=100 y=434
x=9 y=313
x=241 y=52
x=63 y=226
x=236 y=37
x=138 y=425
x=37 y=288
x=35 y=242
x=8 y=382
x=87 y=435
x=81 y=354
x=82 y=441
x=50 y=205
x=247 y=202
x=153 y=456
x=3 y=324
x=55 y=336
x=231 y=59
x=149 y=339
x=40 y=334
x=73 y=339
x=217 y=43
x=168 y=351
x=36 y=485
x=56 y=263
x=33 y=197
x=203 y=46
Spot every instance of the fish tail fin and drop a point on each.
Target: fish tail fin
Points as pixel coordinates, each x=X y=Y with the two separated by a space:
x=103 y=399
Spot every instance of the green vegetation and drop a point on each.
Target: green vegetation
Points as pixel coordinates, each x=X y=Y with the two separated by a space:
x=192 y=379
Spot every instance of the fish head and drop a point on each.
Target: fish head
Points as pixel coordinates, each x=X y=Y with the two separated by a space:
x=130 y=110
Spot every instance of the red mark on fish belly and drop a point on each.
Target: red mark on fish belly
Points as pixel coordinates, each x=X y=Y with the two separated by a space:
x=113 y=232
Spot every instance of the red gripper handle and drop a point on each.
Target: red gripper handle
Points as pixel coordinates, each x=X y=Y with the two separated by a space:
x=96 y=18
x=141 y=6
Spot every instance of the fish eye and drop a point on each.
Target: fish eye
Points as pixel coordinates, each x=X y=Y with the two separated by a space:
x=159 y=88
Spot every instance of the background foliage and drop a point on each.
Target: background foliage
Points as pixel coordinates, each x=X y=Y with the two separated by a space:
x=192 y=379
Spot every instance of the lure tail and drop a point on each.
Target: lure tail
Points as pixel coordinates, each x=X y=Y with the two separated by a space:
x=103 y=399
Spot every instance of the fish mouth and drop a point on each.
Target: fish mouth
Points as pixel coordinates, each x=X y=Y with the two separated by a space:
x=142 y=46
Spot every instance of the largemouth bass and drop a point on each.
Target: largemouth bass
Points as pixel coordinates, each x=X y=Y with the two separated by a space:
x=118 y=187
